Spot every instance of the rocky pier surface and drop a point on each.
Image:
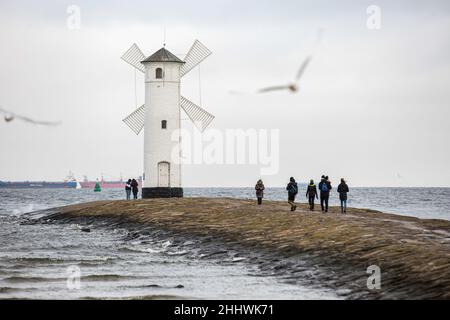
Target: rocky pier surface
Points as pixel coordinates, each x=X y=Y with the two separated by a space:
x=413 y=255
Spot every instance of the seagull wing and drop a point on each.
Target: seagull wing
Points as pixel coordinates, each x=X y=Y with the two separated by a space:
x=6 y=112
x=42 y=123
x=274 y=88
x=26 y=119
x=303 y=68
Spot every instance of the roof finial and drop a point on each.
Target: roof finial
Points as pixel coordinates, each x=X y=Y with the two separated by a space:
x=164 y=44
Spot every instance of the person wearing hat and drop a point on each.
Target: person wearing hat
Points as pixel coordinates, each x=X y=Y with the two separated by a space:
x=325 y=188
x=292 y=190
x=259 y=187
x=311 y=194
x=343 y=190
x=128 y=189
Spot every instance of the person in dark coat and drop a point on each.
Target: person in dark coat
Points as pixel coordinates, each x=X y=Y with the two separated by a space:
x=135 y=188
x=292 y=190
x=324 y=188
x=311 y=194
x=343 y=190
x=259 y=187
x=128 y=189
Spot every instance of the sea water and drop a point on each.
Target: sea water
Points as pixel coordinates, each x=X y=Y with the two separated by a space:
x=59 y=261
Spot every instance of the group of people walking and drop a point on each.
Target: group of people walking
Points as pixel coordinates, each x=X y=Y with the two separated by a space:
x=313 y=192
x=132 y=186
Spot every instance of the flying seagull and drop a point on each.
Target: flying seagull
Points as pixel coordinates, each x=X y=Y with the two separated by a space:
x=10 y=116
x=293 y=86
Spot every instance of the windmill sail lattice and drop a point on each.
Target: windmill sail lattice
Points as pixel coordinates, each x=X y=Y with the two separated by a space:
x=200 y=117
x=136 y=120
x=134 y=56
x=196 y=54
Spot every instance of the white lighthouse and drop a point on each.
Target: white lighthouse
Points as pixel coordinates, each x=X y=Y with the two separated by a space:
x=160 y=116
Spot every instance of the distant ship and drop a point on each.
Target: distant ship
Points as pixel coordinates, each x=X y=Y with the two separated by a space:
x=38 y=185
x=104 y=184
x=69 y=183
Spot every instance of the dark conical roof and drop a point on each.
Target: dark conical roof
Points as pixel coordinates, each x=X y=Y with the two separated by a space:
x=163 y=55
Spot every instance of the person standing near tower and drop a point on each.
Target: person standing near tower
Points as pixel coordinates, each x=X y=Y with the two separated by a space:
x=135 y=188
x=259 y=191
x=128 y=189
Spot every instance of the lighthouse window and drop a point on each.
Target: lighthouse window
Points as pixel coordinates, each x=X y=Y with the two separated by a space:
x=159 y=73
x=164 y=124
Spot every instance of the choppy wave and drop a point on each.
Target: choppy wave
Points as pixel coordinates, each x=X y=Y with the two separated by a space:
x=25 y=279
x=179 y=286
x=107 y=277
x=28 y=208
x=9 y=290
x=24 y=262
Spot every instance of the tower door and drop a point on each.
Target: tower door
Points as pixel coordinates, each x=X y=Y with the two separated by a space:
x=164 y=174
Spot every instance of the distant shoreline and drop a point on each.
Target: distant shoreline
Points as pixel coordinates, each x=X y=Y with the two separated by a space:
x=413 y=254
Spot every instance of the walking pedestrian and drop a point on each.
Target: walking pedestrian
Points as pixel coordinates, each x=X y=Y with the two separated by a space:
x=311 y=194
x=325 y=188
x=292 y=189
x=343 y=190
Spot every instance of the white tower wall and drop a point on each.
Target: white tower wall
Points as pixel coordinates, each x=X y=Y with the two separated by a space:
x=162 y=101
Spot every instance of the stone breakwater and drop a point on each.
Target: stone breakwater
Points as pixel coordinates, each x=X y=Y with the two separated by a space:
x=412 y=254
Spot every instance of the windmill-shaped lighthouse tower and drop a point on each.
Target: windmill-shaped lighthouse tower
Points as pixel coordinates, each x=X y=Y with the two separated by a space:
x=160 y=115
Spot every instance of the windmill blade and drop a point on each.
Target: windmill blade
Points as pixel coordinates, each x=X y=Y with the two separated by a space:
x=200 y=117
x=303 y=68
x=134 y=56
x=135 y=121
x=196 y=54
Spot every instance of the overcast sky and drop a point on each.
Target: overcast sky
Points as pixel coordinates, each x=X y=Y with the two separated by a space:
x=374 y=105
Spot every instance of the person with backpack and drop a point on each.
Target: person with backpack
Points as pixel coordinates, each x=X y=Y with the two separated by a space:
x=343 y=190
x=259 y=187
x=325 y=188
x=292 y=190
x=128 y=189
x=311 y=193
x=135 y=188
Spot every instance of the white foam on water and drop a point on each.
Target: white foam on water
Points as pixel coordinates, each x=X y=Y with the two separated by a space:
x=27 y=209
